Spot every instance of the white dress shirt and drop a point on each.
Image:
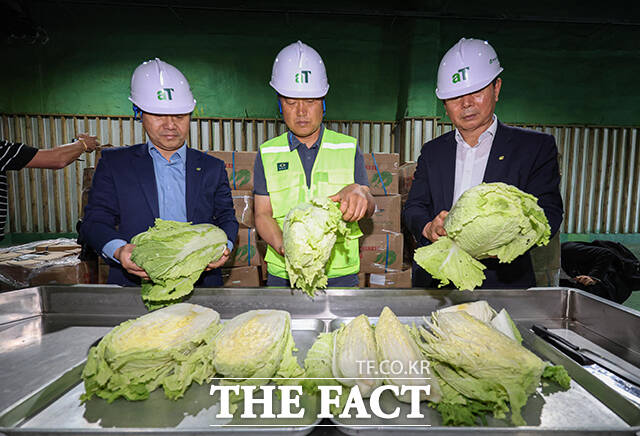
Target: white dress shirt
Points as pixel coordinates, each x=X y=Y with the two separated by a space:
x=471 y=162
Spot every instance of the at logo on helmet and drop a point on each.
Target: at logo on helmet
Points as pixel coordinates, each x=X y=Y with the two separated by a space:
x=165 y=94
x=303 y=76
x=456 y=77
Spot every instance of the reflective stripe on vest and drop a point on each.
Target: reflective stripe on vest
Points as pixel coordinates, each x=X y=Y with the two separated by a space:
x=332 y=170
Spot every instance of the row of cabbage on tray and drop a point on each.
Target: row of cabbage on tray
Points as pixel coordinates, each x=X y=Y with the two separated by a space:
x=476 y=364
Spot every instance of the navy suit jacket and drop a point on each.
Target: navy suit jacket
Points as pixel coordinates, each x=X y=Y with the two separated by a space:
x=523 y=158
x=123 y=201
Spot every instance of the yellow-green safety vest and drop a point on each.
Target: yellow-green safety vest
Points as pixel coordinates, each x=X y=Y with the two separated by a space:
x=332 y=170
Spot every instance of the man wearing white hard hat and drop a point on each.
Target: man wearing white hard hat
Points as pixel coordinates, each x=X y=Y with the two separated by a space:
x=480 y=149
x=308 y=161
x=162 y=178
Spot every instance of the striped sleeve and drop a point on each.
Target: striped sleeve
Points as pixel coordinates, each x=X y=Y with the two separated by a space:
x=15 y=155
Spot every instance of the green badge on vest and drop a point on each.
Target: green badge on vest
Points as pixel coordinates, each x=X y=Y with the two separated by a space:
x=283 y=166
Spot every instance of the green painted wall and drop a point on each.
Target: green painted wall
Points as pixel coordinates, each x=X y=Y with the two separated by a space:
x=379 y=68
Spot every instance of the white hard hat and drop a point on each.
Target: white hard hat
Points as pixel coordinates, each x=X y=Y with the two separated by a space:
x=298 y=72
x=467 y=67
x=160 y=88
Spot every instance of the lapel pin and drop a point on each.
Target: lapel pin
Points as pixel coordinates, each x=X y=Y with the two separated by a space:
x=500 y=158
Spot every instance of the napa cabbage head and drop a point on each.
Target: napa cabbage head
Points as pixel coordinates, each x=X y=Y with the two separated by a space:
x=488 y=220
x=256 y=346
x=175 y=254
x=346 y=356
x=355 y=356
x=480 y=364
x=309 y=232
x=395 y=343
x=170 y=347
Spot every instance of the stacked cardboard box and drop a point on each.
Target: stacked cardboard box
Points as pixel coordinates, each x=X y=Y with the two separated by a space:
x=395 y=279
x=103 y=271
x=239 y=165
x=406 y=173
x=44 y=262
x=241 y=277
x=244 y=268
x=243 y=205
x=381 y=252
x=381 y=247
x=382 y=172
x=386 y=217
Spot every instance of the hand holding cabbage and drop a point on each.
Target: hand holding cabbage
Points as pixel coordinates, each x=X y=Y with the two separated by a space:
x=489 y=220
x=355 y=202
x=174 y=255
x=309 y=232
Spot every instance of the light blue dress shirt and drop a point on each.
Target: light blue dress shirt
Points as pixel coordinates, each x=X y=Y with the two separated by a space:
x=171 y=184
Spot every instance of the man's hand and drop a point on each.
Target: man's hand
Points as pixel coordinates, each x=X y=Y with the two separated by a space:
x=586 y=280
x=355 y=202
x=266 y=225
x=123 y=254
x=90 y=143
x=218 y=263
x=434 y=229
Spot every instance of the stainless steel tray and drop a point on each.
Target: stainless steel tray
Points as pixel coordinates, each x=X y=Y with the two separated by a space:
x=45 y=333
x=549 y=408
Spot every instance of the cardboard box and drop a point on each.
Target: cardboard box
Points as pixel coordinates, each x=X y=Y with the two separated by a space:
x=388 y=165
x=385 y=218
x=103 y=271
x=239 y=165
x=406 y=177
x=396 y=280
x=362 y=280
x=262 y=249
x=381 y=252
x=243 y=204
x=59 y=245
x=241 y=277
x=43 y=268
x=245 y=250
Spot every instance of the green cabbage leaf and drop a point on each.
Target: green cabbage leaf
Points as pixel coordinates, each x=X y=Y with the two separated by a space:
x=309 y=232
x=175 y=254
x=480 y=364
x=488 y=220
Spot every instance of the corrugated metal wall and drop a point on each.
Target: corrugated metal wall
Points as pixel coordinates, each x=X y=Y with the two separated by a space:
x=599 y=165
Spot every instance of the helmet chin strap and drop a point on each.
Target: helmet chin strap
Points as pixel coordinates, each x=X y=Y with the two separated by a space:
x=137 y=113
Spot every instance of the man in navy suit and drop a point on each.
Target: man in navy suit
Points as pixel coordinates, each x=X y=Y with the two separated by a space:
x=480 y=149
x=162 y=178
